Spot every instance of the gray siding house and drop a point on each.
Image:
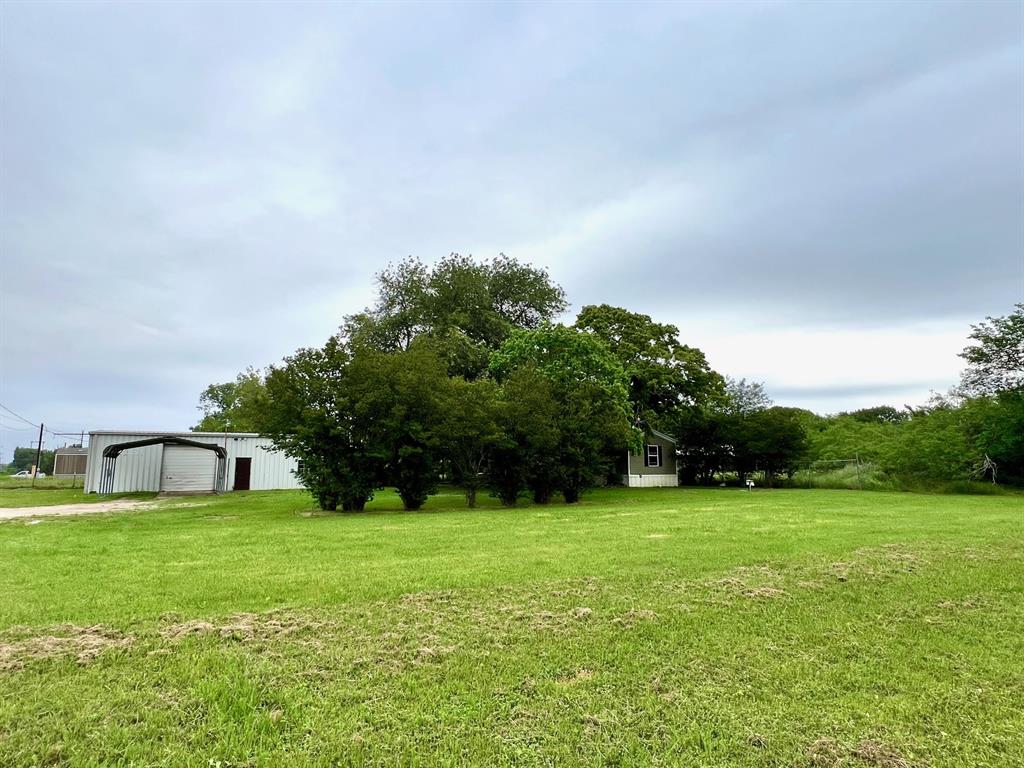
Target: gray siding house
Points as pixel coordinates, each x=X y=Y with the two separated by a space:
x=655 y=467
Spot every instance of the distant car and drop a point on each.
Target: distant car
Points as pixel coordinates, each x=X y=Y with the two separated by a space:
x=26 y=473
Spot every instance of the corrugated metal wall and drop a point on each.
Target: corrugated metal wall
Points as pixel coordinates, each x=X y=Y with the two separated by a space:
x=69 y=464
x=138 y=469
x=187 y=468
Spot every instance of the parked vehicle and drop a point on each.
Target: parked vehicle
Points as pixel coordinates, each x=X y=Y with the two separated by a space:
x=27 y=473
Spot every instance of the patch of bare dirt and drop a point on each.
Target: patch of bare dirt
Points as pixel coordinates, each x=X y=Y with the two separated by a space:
x=64 y=510
x=84 y=644
x=90 y=508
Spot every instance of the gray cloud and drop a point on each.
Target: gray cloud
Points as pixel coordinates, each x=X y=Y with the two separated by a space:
x=190 y=189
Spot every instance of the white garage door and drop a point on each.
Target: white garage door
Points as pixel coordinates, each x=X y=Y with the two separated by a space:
x=188 y=469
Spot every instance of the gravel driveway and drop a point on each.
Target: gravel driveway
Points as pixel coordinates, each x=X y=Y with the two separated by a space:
x=61 y=510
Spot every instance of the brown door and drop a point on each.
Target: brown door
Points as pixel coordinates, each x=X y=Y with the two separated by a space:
x=242 y=471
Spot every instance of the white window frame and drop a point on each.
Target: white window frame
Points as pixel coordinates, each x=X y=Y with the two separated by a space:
x=657 y=455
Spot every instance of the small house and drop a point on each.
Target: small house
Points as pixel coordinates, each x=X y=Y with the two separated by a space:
x=655 y=466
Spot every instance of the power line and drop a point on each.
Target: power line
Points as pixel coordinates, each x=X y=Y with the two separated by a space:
x=34 y=425
x=7 y=428
x=30 y=423
x=7 y=421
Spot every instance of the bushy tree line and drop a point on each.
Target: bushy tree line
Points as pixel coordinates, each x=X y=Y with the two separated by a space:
x=975 y=432
x=24 y=458
x=738 y=434
x=458 y=371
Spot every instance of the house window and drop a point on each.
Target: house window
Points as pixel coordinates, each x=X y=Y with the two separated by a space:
x=302 y=466
x=652 y=457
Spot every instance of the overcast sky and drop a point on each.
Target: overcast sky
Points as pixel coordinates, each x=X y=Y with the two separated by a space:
x=821 y=196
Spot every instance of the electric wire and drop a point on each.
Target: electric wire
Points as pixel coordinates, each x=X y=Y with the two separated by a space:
x=18 y=415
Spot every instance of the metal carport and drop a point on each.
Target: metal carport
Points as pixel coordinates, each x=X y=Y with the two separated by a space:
x=111 y=452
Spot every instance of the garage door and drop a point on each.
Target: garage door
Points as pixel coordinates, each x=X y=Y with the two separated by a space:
x=188 y=469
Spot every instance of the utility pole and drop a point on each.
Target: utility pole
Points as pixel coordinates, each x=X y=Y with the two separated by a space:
x=39 y=453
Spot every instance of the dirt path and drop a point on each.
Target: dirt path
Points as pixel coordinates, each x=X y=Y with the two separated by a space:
x=61 y=510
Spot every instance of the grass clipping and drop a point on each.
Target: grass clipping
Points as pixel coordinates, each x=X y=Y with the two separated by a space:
x=83 y=644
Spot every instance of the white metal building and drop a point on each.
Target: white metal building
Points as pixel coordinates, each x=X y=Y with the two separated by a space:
x=173 y=462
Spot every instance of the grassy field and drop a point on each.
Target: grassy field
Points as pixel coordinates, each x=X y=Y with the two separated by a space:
x=641 y=627
x=46 y=491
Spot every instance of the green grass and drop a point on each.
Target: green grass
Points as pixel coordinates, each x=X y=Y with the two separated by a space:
x=641 y=627
x=20 y=492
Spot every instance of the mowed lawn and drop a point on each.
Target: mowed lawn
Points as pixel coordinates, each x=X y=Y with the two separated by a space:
x=640 y=627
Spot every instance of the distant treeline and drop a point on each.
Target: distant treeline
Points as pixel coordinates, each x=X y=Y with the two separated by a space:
x=24 y=458
x=949 y=443
x=459 y=372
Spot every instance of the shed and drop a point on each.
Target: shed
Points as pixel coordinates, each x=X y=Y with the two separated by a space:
x=655 y=466
x=70 y=461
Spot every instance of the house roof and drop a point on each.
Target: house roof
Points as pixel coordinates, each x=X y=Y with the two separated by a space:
x=662 y=435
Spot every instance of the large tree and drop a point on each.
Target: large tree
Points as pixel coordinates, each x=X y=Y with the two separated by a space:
x=713 y=433
x=470 y=430
x=703 y=443
x=591 y=390
x=526 y=456
x=468 y=307
x=233 y=406
x=995 y=363
x=310 y=414
x=772 y=440
x=664 y=374
x=398 y=400
x=744 y=397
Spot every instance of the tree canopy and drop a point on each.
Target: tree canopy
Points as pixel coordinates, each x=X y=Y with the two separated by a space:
x=663 y=373
x=467 y=307
x=593 y=414
x=995 y=363
x=234 y=406
x=458 y=372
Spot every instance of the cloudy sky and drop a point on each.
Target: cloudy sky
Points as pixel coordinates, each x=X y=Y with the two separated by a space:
x=821 y=196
